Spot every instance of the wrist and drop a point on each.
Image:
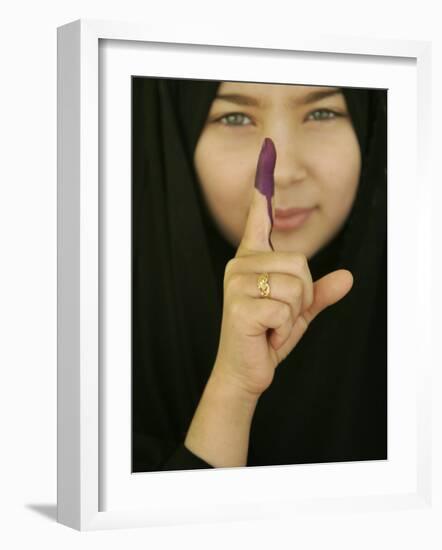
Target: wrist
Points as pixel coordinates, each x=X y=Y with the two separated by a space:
x=219 y=431
x=227 y=381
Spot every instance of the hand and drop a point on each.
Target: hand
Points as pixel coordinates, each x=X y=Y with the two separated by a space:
x=258 y=333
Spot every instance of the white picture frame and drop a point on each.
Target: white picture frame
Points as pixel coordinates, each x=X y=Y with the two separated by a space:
x=87 y=460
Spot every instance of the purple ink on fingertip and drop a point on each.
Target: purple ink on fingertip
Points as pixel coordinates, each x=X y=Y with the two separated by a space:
x=264 y=180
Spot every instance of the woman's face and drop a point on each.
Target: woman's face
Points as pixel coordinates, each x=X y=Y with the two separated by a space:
x=317 y=166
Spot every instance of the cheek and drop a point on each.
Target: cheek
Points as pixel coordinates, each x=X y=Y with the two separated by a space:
x=226 y=186
x=221 y=183
x=338 y=173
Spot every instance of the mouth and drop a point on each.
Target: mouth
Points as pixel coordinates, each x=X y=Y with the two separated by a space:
x=291 y=218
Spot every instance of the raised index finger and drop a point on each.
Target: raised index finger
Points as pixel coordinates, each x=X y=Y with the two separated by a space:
x=256 y=237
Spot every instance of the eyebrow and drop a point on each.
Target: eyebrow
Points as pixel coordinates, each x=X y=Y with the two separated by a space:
x=241 y=99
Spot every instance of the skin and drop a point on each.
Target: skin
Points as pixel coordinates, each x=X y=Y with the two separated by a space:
x=317 y=165
x=264 y=180
x=318 y=161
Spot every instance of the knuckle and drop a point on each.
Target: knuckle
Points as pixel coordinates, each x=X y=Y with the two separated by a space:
x=230 y=266
x=230 y=269
x=288 y=316
x=237 y=310
x=284 y=312
x=300 y=260
x=235 y=281
x=309 y=299
x=297 y=288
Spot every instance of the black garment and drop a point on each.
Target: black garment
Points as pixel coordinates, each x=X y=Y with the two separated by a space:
x=328 y=399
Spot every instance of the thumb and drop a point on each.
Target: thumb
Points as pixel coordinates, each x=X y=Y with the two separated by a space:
x=259 y=222
x=328 y=290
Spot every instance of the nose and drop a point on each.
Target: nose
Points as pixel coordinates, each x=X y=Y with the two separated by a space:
x=290 y=168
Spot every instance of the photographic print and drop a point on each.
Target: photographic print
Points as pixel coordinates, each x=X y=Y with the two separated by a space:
x=259 y=274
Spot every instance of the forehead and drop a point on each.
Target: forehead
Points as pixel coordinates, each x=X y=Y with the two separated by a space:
x=265 y=94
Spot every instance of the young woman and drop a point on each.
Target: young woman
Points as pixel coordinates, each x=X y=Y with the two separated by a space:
x=226 y=374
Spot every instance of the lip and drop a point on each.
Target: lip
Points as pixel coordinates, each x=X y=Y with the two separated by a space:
x=291 y=218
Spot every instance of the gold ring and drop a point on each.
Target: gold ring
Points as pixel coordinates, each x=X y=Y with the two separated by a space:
x=263 y=285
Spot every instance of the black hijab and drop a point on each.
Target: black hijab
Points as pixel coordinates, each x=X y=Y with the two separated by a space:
x=327 y=401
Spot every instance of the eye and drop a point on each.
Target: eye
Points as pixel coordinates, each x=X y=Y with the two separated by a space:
x=323 y=114
x=233 y=119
